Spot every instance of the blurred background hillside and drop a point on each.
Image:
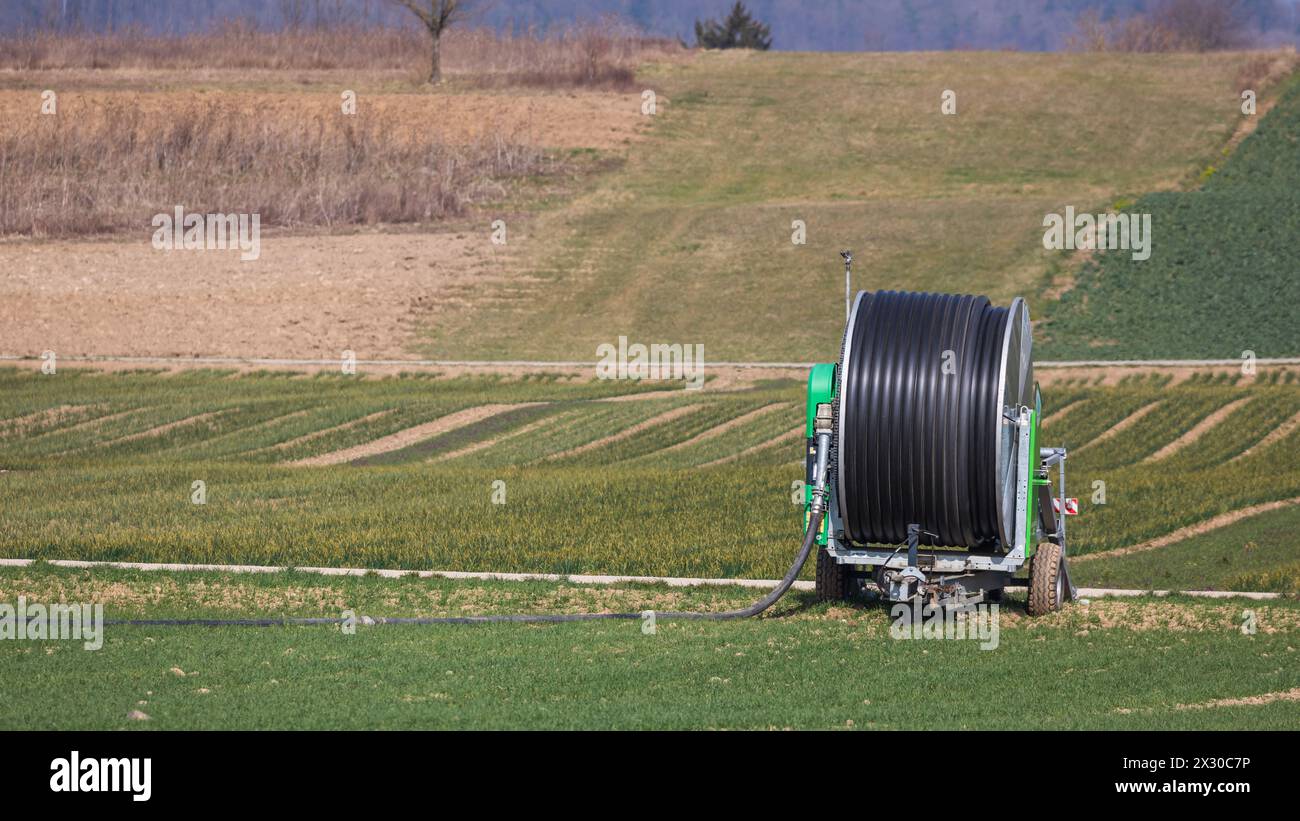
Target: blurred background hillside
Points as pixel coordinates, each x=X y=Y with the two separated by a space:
x=797 y=25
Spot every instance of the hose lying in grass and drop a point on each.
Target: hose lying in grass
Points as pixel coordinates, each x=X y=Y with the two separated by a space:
x=809 y=540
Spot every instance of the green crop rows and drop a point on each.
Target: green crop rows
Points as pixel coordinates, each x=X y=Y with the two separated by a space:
x=1224 y=272
x=91 y=471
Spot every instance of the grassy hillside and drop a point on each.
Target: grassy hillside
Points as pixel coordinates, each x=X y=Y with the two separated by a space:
x=691 y=240
x=1224 y=272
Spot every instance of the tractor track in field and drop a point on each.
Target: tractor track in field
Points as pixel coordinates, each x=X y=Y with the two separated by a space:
x=26 y=422
x=316 y=434
x=670 y=415
x=1121 y=426
x=410 y=436
x=492 y=441
x=160 y=430
x=730 y=424
x=1213 y=523
x=1198 y=430
x=793 y=433
x=1274 y=436
x=1056 y=415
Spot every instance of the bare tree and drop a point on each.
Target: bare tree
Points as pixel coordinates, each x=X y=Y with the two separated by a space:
x=436 y=15
x=1204 y=25
x=293 y=13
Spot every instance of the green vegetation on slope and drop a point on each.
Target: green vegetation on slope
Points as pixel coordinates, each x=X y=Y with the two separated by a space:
x=690 y=241
x=1224 y=271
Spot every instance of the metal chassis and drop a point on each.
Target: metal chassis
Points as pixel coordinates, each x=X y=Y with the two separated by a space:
x=962 y=575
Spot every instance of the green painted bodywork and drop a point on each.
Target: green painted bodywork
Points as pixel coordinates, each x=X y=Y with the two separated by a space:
x=1031 y=526
x=821 y=389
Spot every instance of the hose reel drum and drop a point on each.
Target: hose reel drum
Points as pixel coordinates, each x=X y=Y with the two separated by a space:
x=935 y=418
x=928 y=387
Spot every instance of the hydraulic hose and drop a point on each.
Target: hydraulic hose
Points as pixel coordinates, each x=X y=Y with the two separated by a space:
x=809 y=541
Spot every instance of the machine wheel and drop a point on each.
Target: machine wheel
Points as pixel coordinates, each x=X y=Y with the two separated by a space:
x=834 y=581
x=1046 y=581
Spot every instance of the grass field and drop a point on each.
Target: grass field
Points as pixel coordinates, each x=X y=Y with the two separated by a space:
x=690 y=241
x=1222 y=274
x=1168 y=664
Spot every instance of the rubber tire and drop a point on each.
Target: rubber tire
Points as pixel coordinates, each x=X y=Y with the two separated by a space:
x=834 y=581
x=1046 y=582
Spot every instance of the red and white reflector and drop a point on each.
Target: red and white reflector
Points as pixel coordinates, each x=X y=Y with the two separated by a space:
x=1071 y=506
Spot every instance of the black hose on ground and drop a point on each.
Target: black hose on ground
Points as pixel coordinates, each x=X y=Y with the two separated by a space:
x=809 y=542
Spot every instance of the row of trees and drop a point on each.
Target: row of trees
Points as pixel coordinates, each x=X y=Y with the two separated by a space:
x=738 y=30
x=1161 y=25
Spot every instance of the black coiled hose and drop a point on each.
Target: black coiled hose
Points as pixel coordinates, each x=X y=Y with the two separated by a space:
x=918 y=418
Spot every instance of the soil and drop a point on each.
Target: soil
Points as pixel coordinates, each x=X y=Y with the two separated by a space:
x=305 y=297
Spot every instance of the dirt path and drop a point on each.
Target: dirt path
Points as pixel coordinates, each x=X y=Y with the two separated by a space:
x=1222 y=520
x=409 y=436
x=1246 y=701
x=1197 y=431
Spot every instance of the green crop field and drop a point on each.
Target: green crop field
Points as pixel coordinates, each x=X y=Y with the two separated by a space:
x=1257 y=553
x=599 y=476
x=1224 y=272
x=683 y=234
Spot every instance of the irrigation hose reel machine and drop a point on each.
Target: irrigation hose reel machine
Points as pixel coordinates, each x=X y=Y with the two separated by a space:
x=926 y=430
